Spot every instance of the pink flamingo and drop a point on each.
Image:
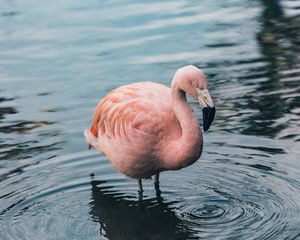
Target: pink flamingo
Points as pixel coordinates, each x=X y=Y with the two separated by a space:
x=145 y=128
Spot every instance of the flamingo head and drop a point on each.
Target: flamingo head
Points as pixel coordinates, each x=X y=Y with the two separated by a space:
x=192 y=81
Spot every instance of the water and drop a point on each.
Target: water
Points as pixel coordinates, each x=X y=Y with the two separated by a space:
x=59 y=58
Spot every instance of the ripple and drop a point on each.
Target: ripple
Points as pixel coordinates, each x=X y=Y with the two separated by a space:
x=235 y=200
x=245 y=186
x=39 y=205
x=245 y=195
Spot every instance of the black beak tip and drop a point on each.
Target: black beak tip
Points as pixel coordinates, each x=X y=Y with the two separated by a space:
x=208 y=117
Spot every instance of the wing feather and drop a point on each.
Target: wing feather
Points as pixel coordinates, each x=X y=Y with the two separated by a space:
x=139 y=105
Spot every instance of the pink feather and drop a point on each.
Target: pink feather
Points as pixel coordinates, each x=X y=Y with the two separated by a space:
x=145 y=128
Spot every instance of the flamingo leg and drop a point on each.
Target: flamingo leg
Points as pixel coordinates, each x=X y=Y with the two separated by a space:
x=156 y=184
x=140 y=189
x=156 y=179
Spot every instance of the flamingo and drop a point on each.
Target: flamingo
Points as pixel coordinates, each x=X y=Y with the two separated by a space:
x=145 y=128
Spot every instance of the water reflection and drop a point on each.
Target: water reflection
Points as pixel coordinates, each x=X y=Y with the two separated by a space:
x=23 y=126
x=121 y=218
x=265 y=92
x=5 y=109
x=24 y=139
x=279 y=36
x=270 y=85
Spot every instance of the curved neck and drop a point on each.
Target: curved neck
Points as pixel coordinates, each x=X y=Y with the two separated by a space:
x=189 y=145
x=183 y=112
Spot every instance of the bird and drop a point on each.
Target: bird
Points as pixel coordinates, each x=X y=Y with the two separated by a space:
x=145 y=128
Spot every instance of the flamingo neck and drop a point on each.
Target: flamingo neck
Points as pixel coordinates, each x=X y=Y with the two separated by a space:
x=189 y=145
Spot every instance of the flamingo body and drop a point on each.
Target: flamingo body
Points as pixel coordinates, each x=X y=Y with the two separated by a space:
x=145 y=128
x=135 y=127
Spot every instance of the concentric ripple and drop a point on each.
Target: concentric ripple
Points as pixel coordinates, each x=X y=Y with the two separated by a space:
x=242 y=197
x=39 y=206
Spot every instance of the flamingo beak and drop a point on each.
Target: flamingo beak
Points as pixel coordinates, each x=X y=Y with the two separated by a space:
x=207 y=106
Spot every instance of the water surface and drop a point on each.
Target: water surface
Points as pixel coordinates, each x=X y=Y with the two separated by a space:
x=59 y=58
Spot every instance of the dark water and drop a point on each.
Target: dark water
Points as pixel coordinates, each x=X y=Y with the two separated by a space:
x=58 y=58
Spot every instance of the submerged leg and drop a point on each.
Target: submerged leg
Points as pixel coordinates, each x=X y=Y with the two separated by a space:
x=140 y=189
x=156 y=184
x=156 y=179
